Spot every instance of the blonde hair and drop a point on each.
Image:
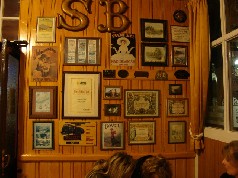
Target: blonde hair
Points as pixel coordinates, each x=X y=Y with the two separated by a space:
x=230 y=152
x=156 y=165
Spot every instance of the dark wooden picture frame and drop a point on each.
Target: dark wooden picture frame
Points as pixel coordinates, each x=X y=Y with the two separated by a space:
x=178 y=107
x=154 y=54
x=153 y=30
x=112 y=135
x=43 y=102
x=142 y=103
x=112 y=109
x=43 y=135
x=112 y=92
x=141 y=132
x=82 y=51
x=175 y=89
x=180 y=56
x=177 y=132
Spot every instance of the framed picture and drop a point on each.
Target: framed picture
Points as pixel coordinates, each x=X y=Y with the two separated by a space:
x=44 y=64
x=112 y=135
x=112 y=109
x=142 y=103
x=153 y=30
x=179 y=34
x=154 y=54
x=177 y=131
x=43 y=102
x=45 y=30
x=141 y=132
x=112 y=92
x=81 y=95
x=177 y=107
x=175 y=89
x=180 y=56
x=43 y=135
x=82 y=51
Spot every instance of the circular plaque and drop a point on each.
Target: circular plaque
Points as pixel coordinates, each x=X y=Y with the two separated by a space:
x=123 y=73
x=180 y=16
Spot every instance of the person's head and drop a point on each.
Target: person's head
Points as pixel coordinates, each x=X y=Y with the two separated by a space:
x=99 y=169
x=230 y=161
x=156 y=167
x=120 y=165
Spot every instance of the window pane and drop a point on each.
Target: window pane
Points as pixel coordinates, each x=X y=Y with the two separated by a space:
x=10 y=29
x=233 y=58
x=215 y=100
x=231 y=10
x=11 y=8
x=214 y=19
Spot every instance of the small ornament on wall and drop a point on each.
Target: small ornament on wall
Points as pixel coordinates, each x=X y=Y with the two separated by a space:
x=180 y=16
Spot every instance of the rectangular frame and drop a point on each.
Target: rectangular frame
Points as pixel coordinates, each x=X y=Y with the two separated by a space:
x=142 y=103
x=112 y=110
x=112 y=135
x=175 y=89
x=179 y=34
x=43 y=135
x=154 y=54
x=177 y=107
x=82 y=51
x=112 y=92
x=43 y=102
x=180 y=56
x=153 y=30
x=177 y=132
x=81 y=95
x=45 y=29
x=141 y=132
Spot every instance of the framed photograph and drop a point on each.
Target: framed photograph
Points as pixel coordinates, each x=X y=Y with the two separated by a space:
x=44 y=64
x=142 y=103
x=180 y=56
x=179 y=34
x=81 y=95
x=45 y=30
x=175 y=89
x=177 y=132
x=112 y=92
x=177 y=107
x=112 y=135
x=112 y=109
x=43 y=102
x=141 y=132
x=82 y=51
x=43 y=135
x=154 y=54
x=153 y=30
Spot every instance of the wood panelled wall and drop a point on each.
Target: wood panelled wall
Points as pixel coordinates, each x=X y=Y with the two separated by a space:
x=210 y=161
x=76 y=161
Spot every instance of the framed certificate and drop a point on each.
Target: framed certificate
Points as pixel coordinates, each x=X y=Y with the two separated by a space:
x=45 y=31
x=81 y=94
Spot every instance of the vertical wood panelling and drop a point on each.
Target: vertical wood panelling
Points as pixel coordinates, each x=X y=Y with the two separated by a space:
x=31 y=161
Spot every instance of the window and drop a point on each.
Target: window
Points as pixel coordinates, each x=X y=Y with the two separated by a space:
x=9 y=19
x=222 y=101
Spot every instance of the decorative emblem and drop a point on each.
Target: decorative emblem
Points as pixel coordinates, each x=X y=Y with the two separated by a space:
x=180 y=16
x=161 y=75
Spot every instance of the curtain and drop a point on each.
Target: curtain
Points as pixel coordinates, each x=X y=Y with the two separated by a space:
x=199 y=69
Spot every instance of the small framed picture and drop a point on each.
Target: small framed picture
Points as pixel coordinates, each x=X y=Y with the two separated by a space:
x=177 y=107
x=175 y=89
x=112 y=92
x=45 y=30
x=43 y=135
x=154 y=54
x=180 y=56
x=153 y=30
x=177 y=132
x=142 y=103
x=112 y=109
x=141 y=132
x=112 y=135
x=179 y=34
x=43 y=102
x=82 y=51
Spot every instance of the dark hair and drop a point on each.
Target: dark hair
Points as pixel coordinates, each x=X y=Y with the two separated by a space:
x=230 y=151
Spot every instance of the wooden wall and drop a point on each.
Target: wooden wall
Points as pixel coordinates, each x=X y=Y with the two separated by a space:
x=76 y=161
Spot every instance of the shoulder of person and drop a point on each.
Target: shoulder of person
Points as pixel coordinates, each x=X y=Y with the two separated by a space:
x=225 y=175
